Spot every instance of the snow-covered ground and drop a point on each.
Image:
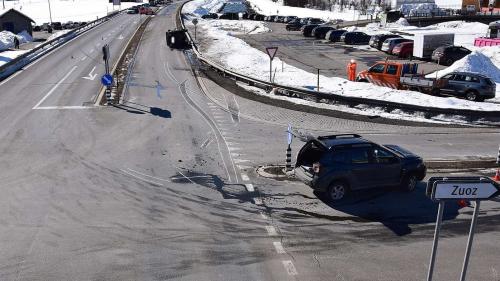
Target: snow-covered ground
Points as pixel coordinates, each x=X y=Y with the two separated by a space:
x=7 y=39
x=64 y=10
x=218 y=44
x=268 y=7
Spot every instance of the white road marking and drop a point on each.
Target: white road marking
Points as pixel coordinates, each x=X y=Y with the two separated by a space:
x=241 y=160
x=264 y=216
x=243 y=167
x=143 y=179
x=84 y=58
x=193 y=177
x=290 y=268
x=92 y=50
x=279 y=248
x=244 y=177
x=185 y=176
x=271 y=231
x=257 y=201
x=64 y=107
x=249 y=187
x=233 y=148
x=236 y=154
x=156 y=178
x=55 y=87
x=91 y=76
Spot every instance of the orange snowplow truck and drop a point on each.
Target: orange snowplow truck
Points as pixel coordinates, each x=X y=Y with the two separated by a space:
x=387 y=73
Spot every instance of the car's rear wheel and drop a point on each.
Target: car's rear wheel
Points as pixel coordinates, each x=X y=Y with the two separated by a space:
x=409 y=183
x=472 y=96
x=337 y=191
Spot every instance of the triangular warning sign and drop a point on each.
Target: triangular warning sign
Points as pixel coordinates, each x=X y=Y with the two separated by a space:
x=271 y=51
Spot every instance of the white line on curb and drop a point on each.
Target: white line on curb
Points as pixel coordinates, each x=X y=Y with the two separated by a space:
x=290 y=268
x=249 y=187
x=244 y=177
x=271 y=230
x=279 y=248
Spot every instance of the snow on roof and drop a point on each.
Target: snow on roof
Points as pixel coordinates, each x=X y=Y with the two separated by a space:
x=16 y=11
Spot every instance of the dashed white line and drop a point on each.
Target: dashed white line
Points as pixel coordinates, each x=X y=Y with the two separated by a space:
x=244 y=177
x=84 y=58
x=243 y=167
x=241 y=161
x=290 y=268
x=279 y=248
x=249 y=187
x=271 y=231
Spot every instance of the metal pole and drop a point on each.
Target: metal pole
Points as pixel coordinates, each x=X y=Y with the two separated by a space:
x=50 y=13
x=3 y=2
x=439 y=220
x=318 y=80
x=470 y=240
x=195 y=32
x=270 y=70
x=288 y=159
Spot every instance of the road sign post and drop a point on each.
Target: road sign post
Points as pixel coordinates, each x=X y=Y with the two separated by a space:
x=288 y=165
x=106 y=79
x=271 y=52
x=442 y=189
x=195 y=22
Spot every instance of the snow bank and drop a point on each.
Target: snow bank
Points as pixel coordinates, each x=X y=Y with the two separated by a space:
x=483 y=60
x=7 y=56
x=268 y=7
x=7 y=39
x=57 y=34
x=63 y=10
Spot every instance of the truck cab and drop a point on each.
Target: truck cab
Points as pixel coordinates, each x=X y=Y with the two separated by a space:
x=387 y=73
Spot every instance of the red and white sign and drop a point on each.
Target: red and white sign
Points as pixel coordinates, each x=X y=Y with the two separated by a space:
x=271 y=51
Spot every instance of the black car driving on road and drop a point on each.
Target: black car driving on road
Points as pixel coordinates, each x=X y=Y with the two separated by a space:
x=337 y=164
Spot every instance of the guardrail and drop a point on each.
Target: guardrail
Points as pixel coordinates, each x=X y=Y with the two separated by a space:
x=338 y=98
x=40 y=50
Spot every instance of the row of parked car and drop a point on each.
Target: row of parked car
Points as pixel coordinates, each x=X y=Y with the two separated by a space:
x=392 y=44
x=58 y=25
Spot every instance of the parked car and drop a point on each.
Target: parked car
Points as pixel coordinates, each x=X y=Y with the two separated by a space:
x=210 y=16
x=259 y=17
x=334 y=35
x=45 y=26
x=294 y=25
x=338 y=164
x=307 y=29
x=82 y=23
x=37 y=28
x=304 y=20
x=355 y=37
x=271 y=18
x=403 y=50
x=471 y=86
x=377 y=40
x=146 y=10
x=389 y=44
x=290 y=18
x=279 y=19
x=133 y=10
x=69 y=25
x=315 y=21
x=320 y=31
x=447 y=55
x=57 y=25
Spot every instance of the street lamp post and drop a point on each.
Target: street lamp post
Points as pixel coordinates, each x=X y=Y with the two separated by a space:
x=50 y=13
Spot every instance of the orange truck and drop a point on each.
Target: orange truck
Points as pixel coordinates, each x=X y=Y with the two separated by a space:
x=388 y=73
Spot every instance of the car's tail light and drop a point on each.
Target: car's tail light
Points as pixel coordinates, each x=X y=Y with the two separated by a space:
x=316 y=167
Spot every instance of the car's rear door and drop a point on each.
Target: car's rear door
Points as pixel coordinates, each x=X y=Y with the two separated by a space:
x=362 y=167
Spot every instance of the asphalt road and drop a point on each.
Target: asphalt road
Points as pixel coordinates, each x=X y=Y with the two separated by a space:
x=310 y=54
x=162 y=187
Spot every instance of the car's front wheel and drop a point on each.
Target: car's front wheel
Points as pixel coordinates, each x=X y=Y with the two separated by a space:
x=409 y=183
x=337 y=191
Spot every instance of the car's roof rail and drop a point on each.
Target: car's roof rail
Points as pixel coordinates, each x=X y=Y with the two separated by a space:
x=339 y=135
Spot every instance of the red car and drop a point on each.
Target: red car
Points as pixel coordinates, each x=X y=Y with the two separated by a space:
x=403 y=50
x=146 y=11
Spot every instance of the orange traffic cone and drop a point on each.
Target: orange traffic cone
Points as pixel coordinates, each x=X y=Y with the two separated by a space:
x=497 y=176
x=463 y=203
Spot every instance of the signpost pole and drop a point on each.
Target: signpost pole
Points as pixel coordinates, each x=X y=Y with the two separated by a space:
x=318 y=80
x=469 y=241
x=270 y=70
x=439 y=221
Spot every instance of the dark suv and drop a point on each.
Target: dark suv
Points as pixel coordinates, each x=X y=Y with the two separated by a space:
x=471 y=86
x=338 y=164
x=447 y=55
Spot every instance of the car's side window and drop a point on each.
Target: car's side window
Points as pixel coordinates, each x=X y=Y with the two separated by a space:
x=378 y=68
x=360 y=155
x=392 y=69
x=383 y=156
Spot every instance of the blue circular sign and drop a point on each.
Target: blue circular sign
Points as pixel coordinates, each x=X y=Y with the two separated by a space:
x=107 y=79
